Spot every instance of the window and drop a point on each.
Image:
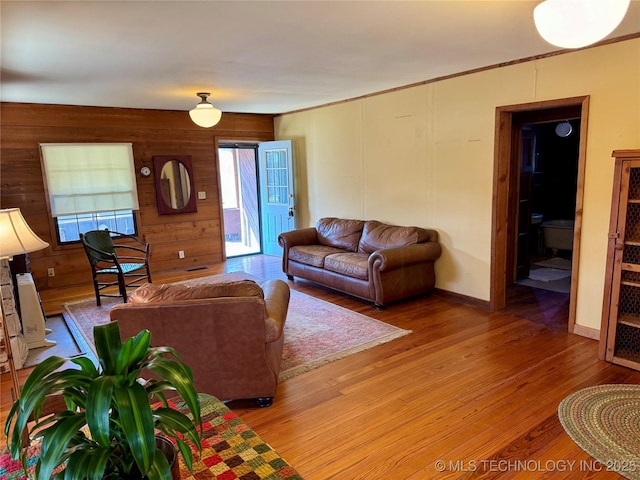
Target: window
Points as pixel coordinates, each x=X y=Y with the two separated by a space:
x=91 y=186
x=69 y=227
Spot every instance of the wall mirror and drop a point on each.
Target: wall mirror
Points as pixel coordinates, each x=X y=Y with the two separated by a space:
x=175 y=185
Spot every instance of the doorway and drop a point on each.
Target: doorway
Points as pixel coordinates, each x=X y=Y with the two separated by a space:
x=547 y=203
x=240 y=206
x=515 y=231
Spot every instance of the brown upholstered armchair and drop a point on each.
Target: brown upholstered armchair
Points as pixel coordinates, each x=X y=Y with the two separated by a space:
x=231 y=334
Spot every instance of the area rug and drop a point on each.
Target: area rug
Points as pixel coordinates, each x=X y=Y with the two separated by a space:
x=605 y=422
x=555 y=262
x=230 y=451
x=548 y=274
x=316 y=332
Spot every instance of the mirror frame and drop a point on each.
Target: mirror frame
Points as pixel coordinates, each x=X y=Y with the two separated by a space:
x=159 y=161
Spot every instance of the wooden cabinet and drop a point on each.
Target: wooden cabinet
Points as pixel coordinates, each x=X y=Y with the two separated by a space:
x=620 y=332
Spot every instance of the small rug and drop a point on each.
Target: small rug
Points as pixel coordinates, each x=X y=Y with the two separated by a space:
x=555 y=262
x=604 y=421
x=316 y=332
x=548 y=274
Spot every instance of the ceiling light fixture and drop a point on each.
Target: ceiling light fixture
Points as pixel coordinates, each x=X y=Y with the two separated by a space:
x=578 y=23
x=205 y=115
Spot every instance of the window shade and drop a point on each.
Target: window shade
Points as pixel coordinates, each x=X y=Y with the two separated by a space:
x=89 y=177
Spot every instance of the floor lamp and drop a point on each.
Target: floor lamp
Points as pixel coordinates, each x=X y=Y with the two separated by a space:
x=16 y=238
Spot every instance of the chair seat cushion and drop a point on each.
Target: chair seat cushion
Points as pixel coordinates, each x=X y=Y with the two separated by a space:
x=126 y=268
x=313 y=255
x=176 y=292
x=349 y=264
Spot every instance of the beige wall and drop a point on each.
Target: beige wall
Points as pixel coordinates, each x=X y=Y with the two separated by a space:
x=424 y=156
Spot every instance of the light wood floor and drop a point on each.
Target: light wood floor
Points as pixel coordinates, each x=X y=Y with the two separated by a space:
x=475 y=390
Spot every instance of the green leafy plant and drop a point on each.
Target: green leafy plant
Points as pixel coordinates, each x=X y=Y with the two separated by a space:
x=108 y=429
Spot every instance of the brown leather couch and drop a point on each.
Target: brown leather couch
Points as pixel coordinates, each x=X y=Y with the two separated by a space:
x=375 y=261
x=231 y=334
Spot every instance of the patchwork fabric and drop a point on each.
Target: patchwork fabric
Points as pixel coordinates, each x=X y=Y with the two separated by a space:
x=230 y=451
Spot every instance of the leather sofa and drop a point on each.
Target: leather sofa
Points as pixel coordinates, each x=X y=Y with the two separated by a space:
x=231 y=334
x=371 y=260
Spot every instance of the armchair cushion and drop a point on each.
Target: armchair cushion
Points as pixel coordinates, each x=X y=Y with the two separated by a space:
x=169 y=293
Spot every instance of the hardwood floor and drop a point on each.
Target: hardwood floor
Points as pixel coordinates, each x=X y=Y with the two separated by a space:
x=475 y=390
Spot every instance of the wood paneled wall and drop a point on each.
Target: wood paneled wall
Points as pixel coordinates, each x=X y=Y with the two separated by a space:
x=152 y=132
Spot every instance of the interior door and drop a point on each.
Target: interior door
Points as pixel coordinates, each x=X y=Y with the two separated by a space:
x=277 y=194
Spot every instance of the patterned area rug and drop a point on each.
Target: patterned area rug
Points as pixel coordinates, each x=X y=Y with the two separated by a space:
x=230 y=451
x=605 y=422
x=316 y=332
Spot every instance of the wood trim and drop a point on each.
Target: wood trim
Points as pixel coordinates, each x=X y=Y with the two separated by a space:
x=499 y=215
x=502 y=180
x=462 y=299
x=587 y=332
x=577 y=226
x=608 y=278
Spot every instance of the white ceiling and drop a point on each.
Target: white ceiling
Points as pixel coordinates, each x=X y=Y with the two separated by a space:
x=254 y=56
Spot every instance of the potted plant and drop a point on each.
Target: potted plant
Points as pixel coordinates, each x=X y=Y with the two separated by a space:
x=109 y=428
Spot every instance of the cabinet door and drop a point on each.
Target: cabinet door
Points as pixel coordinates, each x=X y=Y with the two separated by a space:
x=624 y=332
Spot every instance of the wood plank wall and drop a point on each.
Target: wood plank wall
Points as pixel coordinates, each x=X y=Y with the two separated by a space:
x=152 y=132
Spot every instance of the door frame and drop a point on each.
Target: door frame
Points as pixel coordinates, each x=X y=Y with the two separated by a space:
x=505 y=176
x=230 y=141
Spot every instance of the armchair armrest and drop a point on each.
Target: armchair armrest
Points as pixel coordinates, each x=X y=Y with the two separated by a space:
x=390 y=258
x=276 y=299
x=302 y=236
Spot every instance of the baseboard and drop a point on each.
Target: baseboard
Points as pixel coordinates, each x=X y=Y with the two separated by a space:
x=463 y=299
x=588 y=332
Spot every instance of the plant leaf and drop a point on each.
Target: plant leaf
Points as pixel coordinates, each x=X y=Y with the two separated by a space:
x=86 y=365
x=174 y=372
x=136 y=420
x=136 y=350
x=55 y=441
x=160 y=469
x=107 y=341
x=98 y=407
x=168 y=418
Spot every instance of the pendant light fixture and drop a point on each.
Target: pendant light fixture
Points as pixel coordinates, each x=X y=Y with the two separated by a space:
x=578 y=23
x=205 y=115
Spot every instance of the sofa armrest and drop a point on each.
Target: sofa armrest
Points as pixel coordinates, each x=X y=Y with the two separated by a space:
x=390 y=258
x=302 y=236
x=276 y=299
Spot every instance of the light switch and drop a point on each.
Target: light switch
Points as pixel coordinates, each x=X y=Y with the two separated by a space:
x=202 y=195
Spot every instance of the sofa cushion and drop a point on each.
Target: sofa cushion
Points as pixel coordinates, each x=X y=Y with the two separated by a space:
x=377 y=236
x=313 y=255
x=350 y=264
x=176 y=292
x=339 y=233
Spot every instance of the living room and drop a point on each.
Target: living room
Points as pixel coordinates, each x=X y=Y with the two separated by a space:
x=421 y=155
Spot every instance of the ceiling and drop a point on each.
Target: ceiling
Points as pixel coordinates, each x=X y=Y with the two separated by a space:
x=253 y=56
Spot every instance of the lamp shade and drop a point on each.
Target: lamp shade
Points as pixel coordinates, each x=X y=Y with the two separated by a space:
x=16 y=237
x=205 y=115
x=578 y=23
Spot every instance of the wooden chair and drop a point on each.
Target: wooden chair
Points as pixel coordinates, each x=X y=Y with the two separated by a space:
x=114 y=263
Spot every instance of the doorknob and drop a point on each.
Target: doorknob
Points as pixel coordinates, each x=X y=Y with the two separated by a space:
x=291 y=211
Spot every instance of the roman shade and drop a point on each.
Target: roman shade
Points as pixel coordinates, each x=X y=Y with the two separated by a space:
x=89 y=177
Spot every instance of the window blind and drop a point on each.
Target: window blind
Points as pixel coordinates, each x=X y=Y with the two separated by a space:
x=89 y=177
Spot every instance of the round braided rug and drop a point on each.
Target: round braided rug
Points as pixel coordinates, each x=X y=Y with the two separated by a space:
x=604 y=421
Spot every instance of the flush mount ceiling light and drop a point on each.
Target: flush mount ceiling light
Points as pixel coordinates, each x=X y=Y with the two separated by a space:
x=205 y=115
x=578 y=23
x=564 y=129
